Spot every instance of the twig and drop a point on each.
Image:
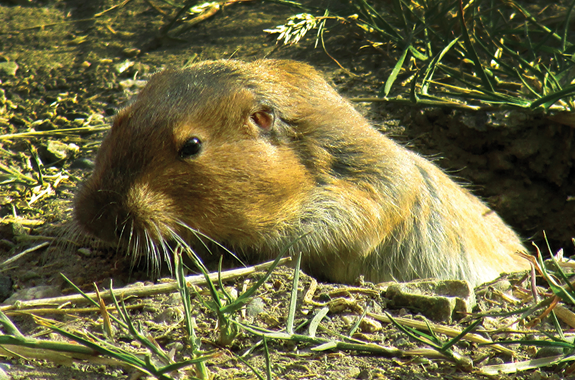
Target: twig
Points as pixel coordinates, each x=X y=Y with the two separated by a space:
x=23 y=253
x=54 y=132
x=139 y=292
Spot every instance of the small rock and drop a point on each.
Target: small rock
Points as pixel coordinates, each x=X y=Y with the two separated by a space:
x=123 y=66
x=77 y=123
x=9 y=68
x=549 y=351
x=85 y=252
x=175 y=347
x=141 y=68
x=369 y=325
x=503 y=285
x=499 y=161
x=438 y=300
x=131 y=52
x=56 y=151
x=525 y=148
x=43 y=291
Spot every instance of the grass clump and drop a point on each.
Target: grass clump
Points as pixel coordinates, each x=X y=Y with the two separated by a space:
x=480 y=54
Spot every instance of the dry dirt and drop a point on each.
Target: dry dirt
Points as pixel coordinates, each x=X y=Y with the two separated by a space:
x=69 y=56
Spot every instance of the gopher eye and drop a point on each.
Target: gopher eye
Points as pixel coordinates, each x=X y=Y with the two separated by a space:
x=191 y=148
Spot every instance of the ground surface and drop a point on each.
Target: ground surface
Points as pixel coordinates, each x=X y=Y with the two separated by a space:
x=76 y=66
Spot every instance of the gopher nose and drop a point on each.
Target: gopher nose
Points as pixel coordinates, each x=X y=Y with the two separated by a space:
x=103 y=222
x=104 y=228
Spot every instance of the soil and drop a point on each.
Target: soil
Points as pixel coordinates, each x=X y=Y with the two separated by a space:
x=78 y=62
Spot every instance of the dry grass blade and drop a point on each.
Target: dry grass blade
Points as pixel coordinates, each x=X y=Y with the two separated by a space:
x=13 y=175
x=495 y=370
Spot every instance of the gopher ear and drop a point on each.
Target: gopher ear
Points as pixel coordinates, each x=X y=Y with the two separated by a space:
x=263 y=119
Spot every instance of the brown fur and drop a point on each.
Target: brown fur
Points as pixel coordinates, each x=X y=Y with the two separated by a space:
x=368 y=206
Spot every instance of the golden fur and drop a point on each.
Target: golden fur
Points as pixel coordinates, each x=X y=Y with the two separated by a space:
x=365 y=205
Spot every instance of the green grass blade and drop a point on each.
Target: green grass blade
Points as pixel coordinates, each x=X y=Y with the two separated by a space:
x=413 y=91
x=556 y=324
x=186 y=363
x=355 y=326
x=8 y=327
x=534 y=21
x=293 y=298
x=472 y=53
x=480 y=92
x=564 y=37
x=430 y=71
x=396 y=69
x=400 y=14
x=245 y=297
x=316 y=320
x=269 y=374
x=417 y=335
x=247 y=364
x=527 y=86
x=129 y=324
x=94 y=302
x=528 y=39
x=388 y=29
x=557 y=289
x=548 y=100
x=185 y=296
x=121 y=355
x=467 y=330
x=45 y=345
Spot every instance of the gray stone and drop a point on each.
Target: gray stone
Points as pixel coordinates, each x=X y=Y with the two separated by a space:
x=438 y=300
